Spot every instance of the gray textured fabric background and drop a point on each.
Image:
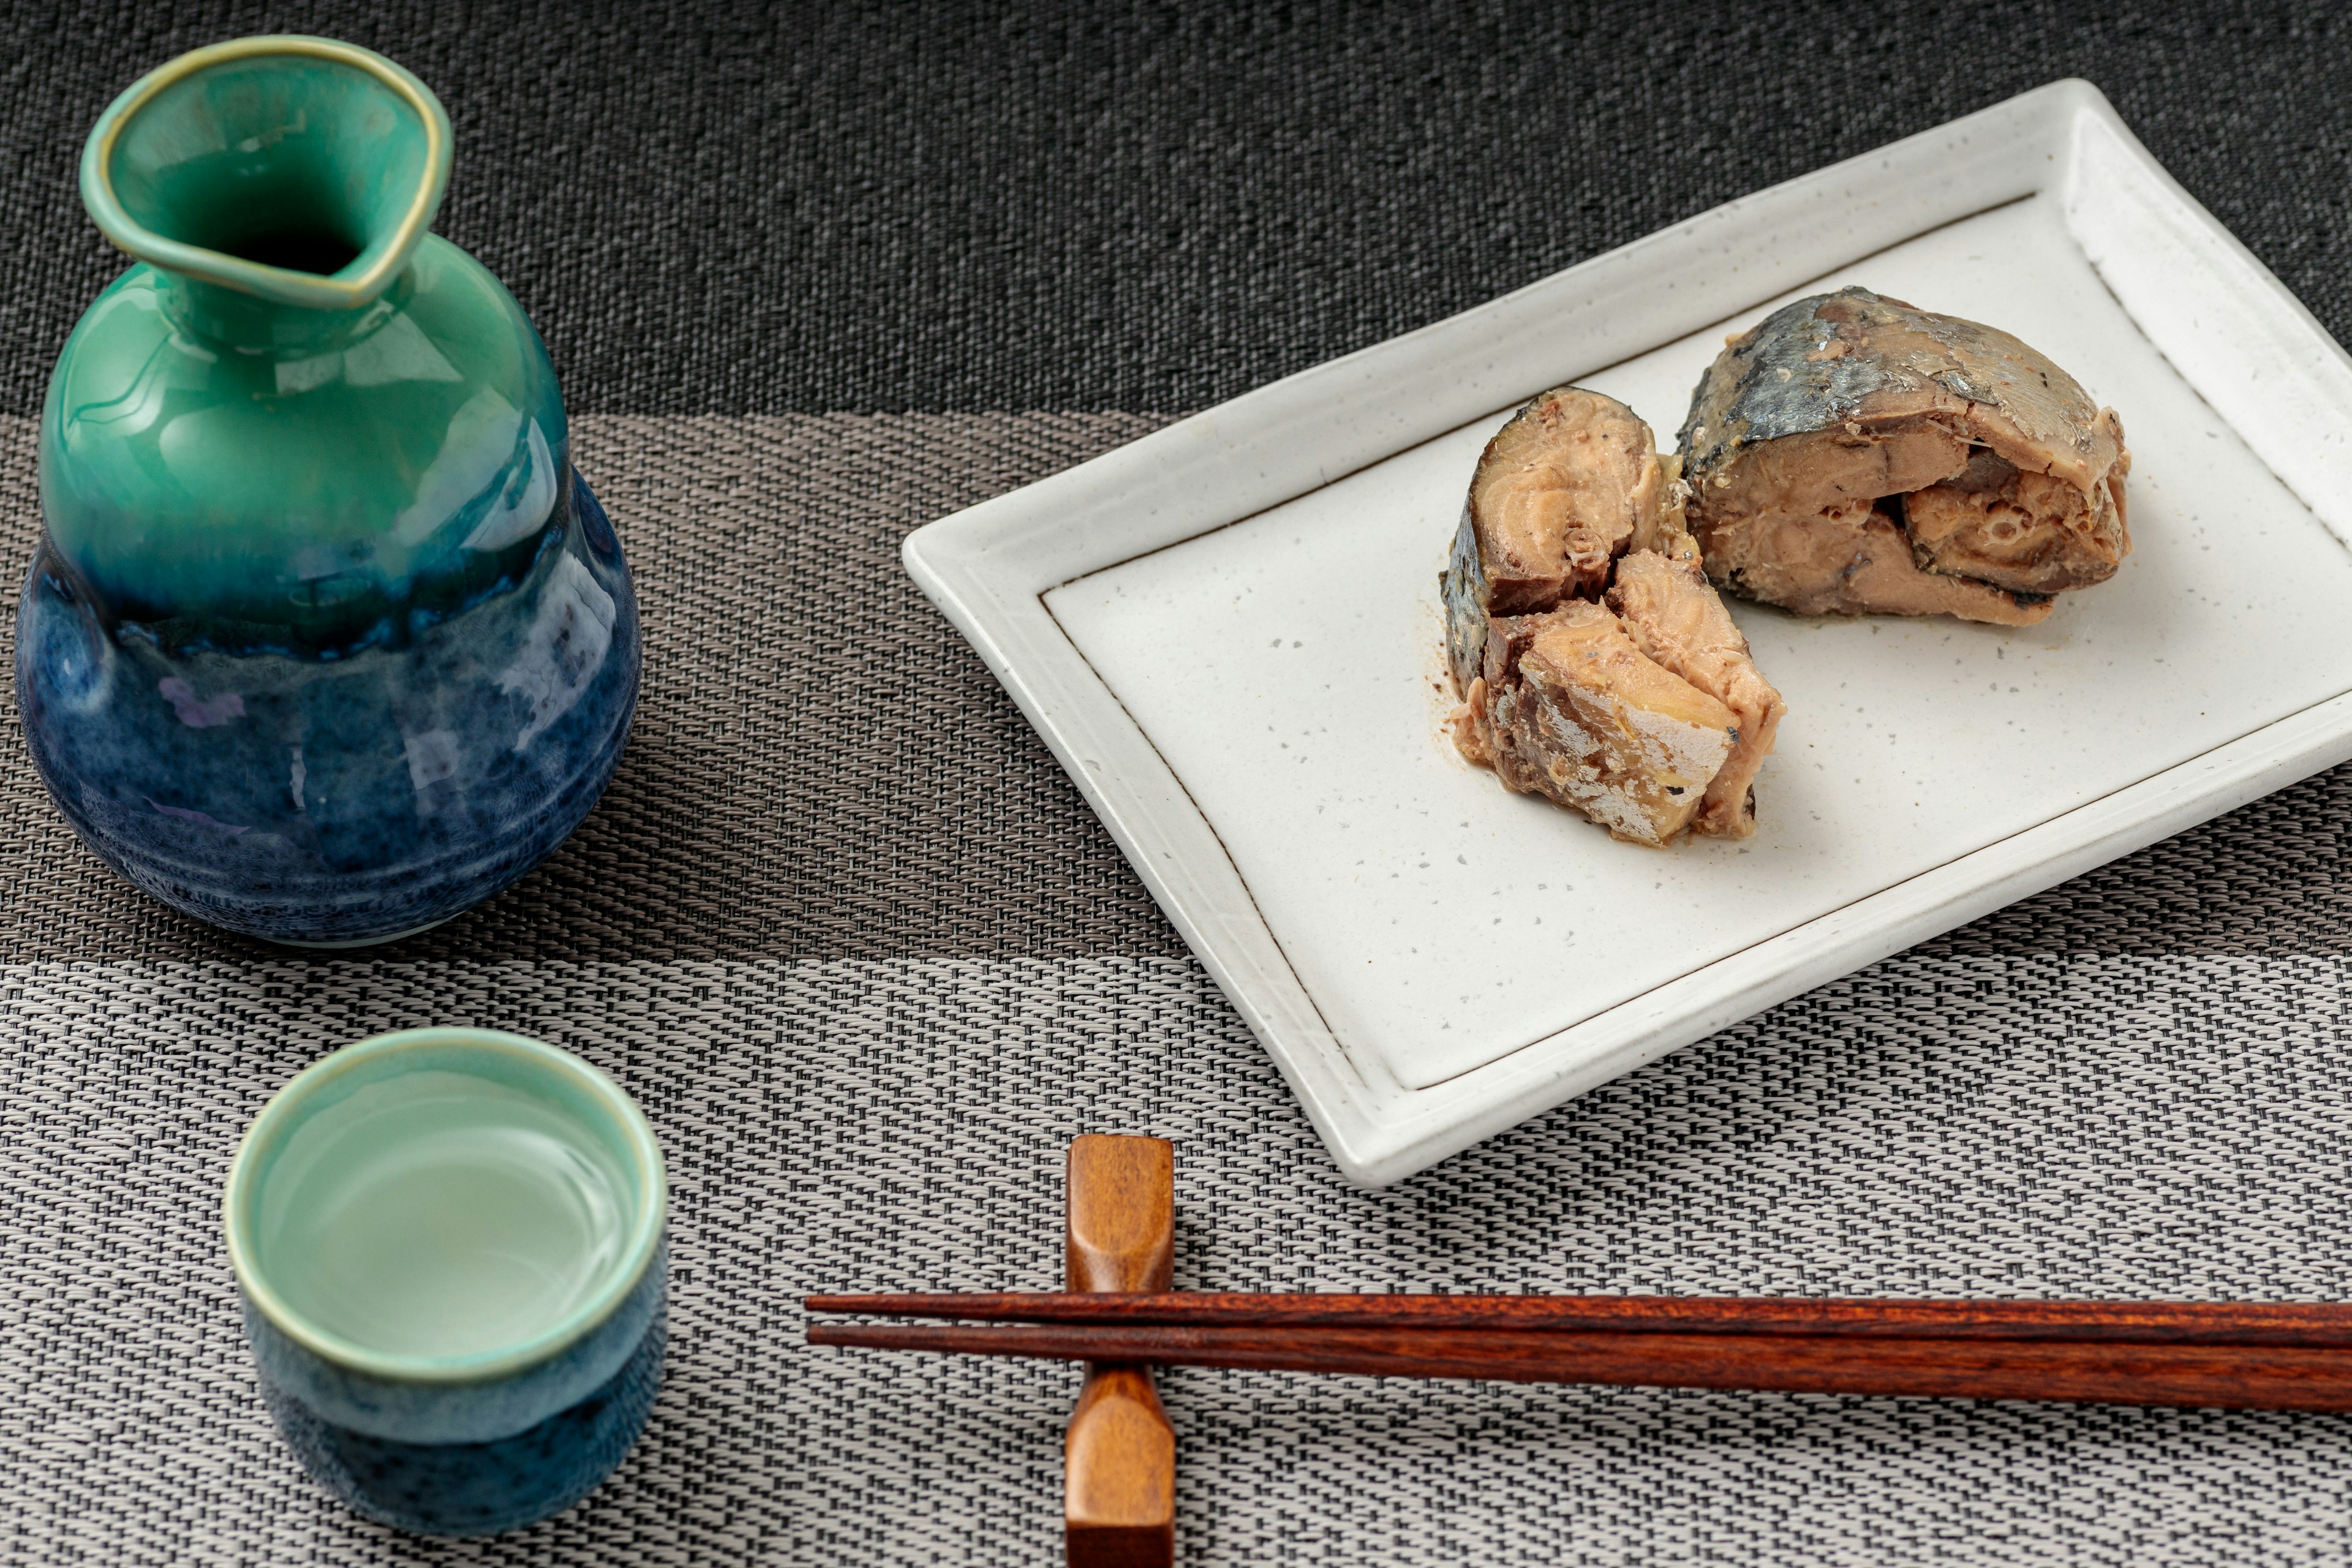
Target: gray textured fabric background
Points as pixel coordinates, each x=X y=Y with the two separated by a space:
x=857 y=944
x=867 y=961
x=864 y=956
x=716 y=207
x=2124 y=1125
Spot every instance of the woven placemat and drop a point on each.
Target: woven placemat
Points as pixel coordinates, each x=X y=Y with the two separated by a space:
x=852 y=940
x=857 y=944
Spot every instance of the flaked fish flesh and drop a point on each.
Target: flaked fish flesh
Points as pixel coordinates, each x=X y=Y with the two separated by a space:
x=1856 y=454
x=1576 y=712
x=1558 y=496
x=1596 y=664
x=1674 y=615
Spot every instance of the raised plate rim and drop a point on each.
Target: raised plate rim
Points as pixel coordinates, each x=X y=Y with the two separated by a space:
x=989 y=567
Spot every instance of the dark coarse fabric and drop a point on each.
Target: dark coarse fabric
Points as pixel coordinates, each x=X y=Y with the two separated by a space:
x=813 y=276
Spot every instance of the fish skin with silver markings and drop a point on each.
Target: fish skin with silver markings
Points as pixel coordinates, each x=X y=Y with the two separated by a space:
x=1856 y=454
x=1596 y=664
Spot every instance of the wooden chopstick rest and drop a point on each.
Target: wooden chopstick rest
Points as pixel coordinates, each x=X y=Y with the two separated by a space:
x=1118 y=1454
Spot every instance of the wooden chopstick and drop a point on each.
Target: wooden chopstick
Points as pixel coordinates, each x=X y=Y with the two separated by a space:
x=2310 y=1325
x=2231 y=1376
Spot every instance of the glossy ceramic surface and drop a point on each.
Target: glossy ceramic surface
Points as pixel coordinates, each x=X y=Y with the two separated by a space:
x=528 y=1190
x=1227 y=632
x=325 y=641
x=480 y=1488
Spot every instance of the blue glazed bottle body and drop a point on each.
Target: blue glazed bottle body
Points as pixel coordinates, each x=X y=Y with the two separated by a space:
x=325 y=641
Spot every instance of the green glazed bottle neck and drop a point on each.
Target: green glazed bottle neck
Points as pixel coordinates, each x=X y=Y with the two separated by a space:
x=228 y=319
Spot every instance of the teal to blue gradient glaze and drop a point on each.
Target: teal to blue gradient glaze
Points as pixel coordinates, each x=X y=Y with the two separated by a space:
x=304 y=497
x=449 y=1244
x=252 y=443
x=326 y=640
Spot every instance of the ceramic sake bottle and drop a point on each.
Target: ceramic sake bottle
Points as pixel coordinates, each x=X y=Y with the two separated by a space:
x=325 y=641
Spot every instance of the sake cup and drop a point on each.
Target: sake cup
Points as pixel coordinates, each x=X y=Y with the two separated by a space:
x=450 y=1246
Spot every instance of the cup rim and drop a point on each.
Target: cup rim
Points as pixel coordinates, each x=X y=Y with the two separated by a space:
x=278 y=284
x=290 y=1100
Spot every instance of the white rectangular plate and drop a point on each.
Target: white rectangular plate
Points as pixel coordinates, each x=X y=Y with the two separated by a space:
x=1228 y=632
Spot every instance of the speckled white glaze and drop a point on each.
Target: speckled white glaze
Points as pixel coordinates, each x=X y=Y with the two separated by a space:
x=1227 y=632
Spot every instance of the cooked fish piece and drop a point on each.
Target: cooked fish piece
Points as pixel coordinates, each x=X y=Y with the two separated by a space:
x=1856 y=454
x=1670 y=610
x=2029 y=532
x=1558 y=495
x=1570 y=707
x=1646 y=714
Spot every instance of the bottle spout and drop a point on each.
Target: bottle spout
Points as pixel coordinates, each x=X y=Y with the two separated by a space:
x=291 y=172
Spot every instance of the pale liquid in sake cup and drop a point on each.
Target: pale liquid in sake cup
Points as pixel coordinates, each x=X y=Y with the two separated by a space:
x=440 y=1214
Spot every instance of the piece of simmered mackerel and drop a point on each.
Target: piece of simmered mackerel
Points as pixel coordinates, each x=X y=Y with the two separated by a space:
x=1646 y=715
x=1670 y=610
x=1856 y=454
x=1558 y=495
x=1567 y=707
